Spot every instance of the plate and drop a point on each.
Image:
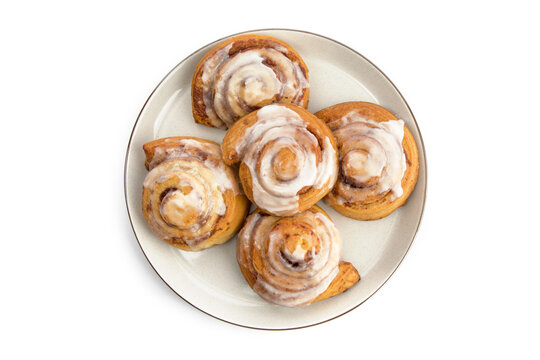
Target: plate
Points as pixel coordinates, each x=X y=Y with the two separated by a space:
x=211 y=280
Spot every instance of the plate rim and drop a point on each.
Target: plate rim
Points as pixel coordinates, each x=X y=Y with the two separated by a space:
x=424 y=159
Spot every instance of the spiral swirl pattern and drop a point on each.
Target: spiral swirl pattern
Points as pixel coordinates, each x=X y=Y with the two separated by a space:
x=378 y=160
x=288 y=158
x=190 y=197
x=244 y=74
x=372 y=162
x=289 y=261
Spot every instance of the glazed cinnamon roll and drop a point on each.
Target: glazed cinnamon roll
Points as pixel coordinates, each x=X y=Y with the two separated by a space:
x=243 y=74
x=288 y=158
x=191 y=199
x=293 y=261
x=378 y=160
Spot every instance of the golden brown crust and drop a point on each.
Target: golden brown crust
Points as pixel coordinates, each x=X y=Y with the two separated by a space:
x=239 y=44
x=365 y=109
x=344 y=280
x=299 y=230
x=382 y=206
x=308 y=195
x=181 y=171
x=167 y=143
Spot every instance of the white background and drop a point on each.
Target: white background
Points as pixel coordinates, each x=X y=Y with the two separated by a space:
x=74 y=283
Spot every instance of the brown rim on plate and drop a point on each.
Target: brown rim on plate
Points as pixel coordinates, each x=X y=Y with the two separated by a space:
x=422 y=159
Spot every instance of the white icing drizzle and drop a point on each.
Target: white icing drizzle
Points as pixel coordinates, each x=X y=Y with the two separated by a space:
x=187 y=212
x=185 y=150
x=283 y=127
x=306 y=274
x=303 y=82
x=280 y=48
x=244 y=81
x=371 y=149
x=192 y=200
x=236 y=85
x=207 y=77
x=196 y=196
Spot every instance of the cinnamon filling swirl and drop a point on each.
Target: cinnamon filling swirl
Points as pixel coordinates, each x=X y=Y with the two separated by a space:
x=189 y=193
x=286 y=157
x=290 y=261
x=372 y=160
x=247 y=73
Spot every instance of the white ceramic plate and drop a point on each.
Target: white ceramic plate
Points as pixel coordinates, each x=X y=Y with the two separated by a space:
x=210 y=280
